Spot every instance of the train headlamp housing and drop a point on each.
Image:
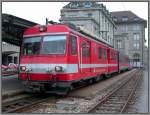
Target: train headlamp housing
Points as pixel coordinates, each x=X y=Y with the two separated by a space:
x=23 y=68
x=58 y=68
x=42 y=28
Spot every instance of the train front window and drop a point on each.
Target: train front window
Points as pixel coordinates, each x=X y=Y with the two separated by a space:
x=54 y=44
x=31 y=45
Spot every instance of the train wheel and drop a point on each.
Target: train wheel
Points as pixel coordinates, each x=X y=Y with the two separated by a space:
x=108 y=75
x=97 y=79
x=101 y=77
x=91 y=81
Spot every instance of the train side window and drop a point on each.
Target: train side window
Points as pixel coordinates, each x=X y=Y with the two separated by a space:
x=73 y=44
x=95 y=49
x=100 y=51
x=85 y=50
x=115 y=56
x=111 y=55
x=105 y=55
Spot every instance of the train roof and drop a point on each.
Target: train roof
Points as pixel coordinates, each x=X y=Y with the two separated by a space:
x=63 y=29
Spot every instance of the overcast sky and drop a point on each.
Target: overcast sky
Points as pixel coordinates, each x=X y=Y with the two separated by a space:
x=38 y=11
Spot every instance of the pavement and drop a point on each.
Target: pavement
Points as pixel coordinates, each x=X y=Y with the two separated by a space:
x=142 y=104
x=11 y=85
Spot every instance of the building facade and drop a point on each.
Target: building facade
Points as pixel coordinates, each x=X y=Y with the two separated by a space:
x=10 y=53
x=129 y=36
x=92 y=16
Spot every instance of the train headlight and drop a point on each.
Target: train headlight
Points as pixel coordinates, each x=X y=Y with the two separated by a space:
x=23 y=68
x=58 y=68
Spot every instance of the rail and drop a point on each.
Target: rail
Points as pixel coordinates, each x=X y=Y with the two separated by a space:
x=117 y=100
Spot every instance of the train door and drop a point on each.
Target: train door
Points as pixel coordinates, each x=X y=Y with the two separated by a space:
x=73 y=52
x=106 y=59
x=109 y=58
x=85 y=56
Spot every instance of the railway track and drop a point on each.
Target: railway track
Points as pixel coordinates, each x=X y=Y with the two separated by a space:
x=117 y=100
x=21 y=104
x=27 y=105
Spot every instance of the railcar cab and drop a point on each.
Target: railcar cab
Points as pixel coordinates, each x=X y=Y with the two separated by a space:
x=46 y=50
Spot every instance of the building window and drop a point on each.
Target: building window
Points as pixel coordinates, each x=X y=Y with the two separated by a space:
x=136 y=27
x=136 y=45
x=10 y=59
x=89 y=14
x=87 y=4
x=72 y=15
x=136 y=57
x=125 y=28
x=115 y=19
x=15 y=60
x=73 y=44
x=125 y=18
x=119 y=44
x=74 y=4
x=136 y=18
x=136 y=36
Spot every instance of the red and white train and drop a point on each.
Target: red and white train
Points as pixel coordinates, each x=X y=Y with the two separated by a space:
x=56 y=58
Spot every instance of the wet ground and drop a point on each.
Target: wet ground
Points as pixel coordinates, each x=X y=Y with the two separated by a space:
x=142 y=103
x=11 y=83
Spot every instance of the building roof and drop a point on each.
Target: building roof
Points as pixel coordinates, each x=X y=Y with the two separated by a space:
x=88 y=5
x=81 y=4
x=130 y=16
x=13 y=28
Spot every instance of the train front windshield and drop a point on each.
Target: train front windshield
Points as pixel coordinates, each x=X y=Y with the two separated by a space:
x=53 y=44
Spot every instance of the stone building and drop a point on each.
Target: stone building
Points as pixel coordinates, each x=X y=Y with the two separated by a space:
x=10 y=53
x=129 y=36
x=92 y=16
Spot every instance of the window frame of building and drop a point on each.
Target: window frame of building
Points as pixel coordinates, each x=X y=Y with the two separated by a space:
x=136 y=18
x=136 y=45
x=89 y=14
x=124 y=18
x=136 y=36
x=74 y=5
x=125 y=28
x=136 y=27
x=10 y=59
x=119 y=44
x=15 y=59
x=115 y=19
x=87 y=4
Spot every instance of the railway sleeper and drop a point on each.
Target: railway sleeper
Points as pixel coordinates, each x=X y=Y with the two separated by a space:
x=112 y=105
x=105 y=112
x=108 y=108
x=116 y=99
x=116 y=102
